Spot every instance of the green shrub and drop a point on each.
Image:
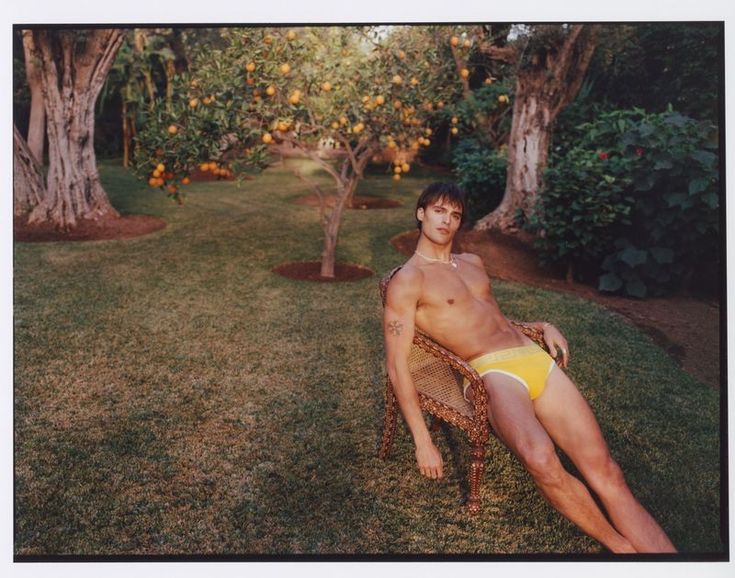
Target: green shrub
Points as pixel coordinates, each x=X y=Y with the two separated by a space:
x=480 y=171
x=638 y=198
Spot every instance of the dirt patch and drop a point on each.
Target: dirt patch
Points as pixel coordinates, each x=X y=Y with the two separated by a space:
x=309 y=271
x=358 y=202
x=123 y=227
x=687 y=328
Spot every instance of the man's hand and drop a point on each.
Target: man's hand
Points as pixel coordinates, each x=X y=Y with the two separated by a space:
x=429 y=460
x=554 y=339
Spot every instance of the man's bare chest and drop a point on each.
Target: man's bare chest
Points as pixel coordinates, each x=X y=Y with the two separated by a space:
x=453 y=289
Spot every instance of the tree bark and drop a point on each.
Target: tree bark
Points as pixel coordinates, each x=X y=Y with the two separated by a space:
x=73 y=69
x=349 y=178
x=37 y=121
x=28 y=187
x=543 y=88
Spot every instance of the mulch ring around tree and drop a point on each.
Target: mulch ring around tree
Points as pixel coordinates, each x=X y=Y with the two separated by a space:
x=310 y=271
x=358 y=202
x=123 y=227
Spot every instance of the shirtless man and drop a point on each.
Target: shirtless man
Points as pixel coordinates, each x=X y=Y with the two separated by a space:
x=532 y=404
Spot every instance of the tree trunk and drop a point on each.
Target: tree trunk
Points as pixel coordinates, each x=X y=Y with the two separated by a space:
x=125 y=134
x=544 y=87
x=28 y=187
x=528 y=151
x=37 y=121
x=333 y=225
x=73 y=69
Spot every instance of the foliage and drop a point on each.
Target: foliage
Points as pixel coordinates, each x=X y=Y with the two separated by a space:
x=481 y=172
x=584 y=198
x=638 y=197
x=680 y=62
x=348 y=87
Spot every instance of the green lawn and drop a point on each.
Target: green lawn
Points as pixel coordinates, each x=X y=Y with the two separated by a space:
x=173 y=396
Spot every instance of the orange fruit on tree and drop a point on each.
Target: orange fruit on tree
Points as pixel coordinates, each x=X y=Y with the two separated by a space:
x=185 y=181
x=250 y=67
x=212 y=166
x=283 y=126
x=152 y=181
x=342 y=120
x=455 y=130
x=405 y=167
x=391 y=144
x=290 y=35
x=285 y=68
x=396 y=177
x=464 y=73
x=397 y=170
x=380 y=100
x=172 y=189
x=194 y=102
x=454 y=41
x=397 y=79
x=335 y=125
x=271 y=90
x=466 y=43
x=503 y=98
x=172 y=129
x=401 y=54
x=414 y=81
x=488 y=81
x=204 y=167
x=295 y=97
x=455 y=120
x=327 y=86
x=427 y=142
x=268 y=39
x=397 y=104
x=160 y=167
x=267 y=138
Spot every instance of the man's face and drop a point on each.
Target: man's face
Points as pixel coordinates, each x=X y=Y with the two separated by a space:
x=440 y=221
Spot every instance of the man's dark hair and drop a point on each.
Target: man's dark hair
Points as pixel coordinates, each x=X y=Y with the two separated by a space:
x=447 y=192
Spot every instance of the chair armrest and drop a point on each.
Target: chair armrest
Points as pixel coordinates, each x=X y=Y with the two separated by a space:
x=536 y=335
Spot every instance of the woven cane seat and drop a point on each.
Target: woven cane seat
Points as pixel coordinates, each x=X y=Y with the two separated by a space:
x=438 y=375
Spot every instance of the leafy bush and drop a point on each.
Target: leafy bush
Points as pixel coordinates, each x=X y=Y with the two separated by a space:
x=481 y=172
x=637 y=197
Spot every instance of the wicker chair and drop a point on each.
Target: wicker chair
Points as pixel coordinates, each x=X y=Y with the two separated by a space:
x=438 y=375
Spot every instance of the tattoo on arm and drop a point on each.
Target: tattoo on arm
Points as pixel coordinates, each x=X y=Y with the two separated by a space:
x=395 y=327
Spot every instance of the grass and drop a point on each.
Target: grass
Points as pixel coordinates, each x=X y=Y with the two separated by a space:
x=173 y=396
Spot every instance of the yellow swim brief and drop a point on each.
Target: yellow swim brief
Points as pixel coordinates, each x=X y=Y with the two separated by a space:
x=529 y=364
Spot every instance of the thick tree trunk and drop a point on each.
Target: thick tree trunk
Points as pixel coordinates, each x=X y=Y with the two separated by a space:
x=37 y=121
x=73 y=70
x=28 y=187
x=543 y=88
x=528 y=150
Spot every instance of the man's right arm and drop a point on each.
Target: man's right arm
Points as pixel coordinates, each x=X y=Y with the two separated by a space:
x=402 y=298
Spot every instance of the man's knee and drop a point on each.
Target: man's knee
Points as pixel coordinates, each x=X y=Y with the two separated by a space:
x=604 y=473
x=541 y=461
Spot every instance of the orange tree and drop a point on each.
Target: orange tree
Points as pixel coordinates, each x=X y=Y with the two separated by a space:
x=362 y=90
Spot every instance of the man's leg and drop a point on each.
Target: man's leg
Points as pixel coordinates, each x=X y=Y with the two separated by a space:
x=512 y=417
x=568 y=419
